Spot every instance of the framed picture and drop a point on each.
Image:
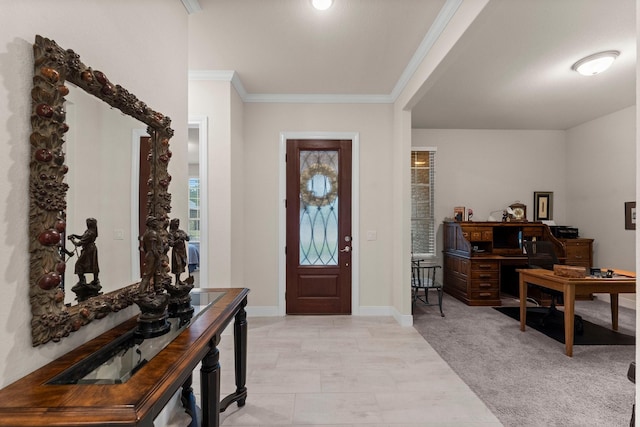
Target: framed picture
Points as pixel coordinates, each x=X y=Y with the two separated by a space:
x=543 y=205
x=629 y=215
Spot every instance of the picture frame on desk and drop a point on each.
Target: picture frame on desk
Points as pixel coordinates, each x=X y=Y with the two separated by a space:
x=460 y=213
x=543 y=205
x=629 y=215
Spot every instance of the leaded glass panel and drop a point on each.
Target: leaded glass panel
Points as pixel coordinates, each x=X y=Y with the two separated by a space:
x=318 y=207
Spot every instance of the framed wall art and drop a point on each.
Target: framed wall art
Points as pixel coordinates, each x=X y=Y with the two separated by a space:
x=543 y=205
x=629 y=215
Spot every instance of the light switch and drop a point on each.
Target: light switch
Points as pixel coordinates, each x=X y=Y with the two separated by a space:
x=118 y=234
x=372 y=235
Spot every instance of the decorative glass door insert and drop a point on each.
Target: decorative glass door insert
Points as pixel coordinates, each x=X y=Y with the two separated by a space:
x=318 y=207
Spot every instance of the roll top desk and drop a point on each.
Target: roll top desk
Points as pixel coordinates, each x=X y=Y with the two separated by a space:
x=480 y=258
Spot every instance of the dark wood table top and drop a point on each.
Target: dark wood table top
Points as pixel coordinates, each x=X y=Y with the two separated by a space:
x=30 y=401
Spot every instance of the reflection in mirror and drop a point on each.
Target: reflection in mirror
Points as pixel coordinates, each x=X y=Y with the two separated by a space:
x=54 y=69
x=99 y=187
x=197 y=228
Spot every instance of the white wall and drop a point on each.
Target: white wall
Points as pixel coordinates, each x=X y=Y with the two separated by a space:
x=263 y=124
x=213 y=99
x=601 y=161
x=487 y=170
x=148 y=57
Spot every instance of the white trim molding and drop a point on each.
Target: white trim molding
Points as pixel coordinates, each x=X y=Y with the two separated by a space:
x=200 y=122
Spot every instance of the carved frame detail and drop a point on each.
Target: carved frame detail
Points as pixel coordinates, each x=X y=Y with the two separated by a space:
x=53 y=66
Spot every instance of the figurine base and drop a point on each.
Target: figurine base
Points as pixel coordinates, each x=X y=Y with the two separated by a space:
x=152 y=328
x=180 y=309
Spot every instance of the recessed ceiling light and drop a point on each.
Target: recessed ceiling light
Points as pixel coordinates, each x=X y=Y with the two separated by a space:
x=322 y=4
x=596 y=63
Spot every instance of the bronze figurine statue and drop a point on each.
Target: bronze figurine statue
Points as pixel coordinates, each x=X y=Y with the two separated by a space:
x=87 y=262
x=153 y=249
x=177 y=240
x=180 y=300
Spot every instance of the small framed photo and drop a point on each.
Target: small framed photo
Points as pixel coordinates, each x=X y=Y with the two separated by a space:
x=629 y=215
x=543 y=205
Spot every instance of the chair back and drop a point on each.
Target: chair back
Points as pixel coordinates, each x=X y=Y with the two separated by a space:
x=541 y=254
x=423 y=276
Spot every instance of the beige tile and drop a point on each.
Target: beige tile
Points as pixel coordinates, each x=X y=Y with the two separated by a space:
x=260 y=409
x=345 y=371
x=345 y=344
x=332 y=408
x=347 y=381
x=305 y=360
x=438 y=406
x=284 y=381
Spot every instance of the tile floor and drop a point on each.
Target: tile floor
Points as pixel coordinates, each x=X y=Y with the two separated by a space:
x=345 y=371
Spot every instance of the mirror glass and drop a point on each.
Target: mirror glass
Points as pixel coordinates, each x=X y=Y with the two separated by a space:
x=98 y=166
x=99 y=179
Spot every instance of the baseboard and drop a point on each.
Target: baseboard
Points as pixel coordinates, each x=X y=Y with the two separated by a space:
x=402 y=319
x=622 y=300
x=262 y=311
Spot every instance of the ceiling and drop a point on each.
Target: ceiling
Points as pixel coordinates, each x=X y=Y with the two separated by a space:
x=510 y=70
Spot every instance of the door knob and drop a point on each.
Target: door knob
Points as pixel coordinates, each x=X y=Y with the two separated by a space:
x=346 y=249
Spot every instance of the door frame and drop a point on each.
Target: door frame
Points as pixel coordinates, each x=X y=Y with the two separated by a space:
x=355 y=212
x=201 y=122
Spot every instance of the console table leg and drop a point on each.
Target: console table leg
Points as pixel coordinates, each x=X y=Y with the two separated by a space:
x=240 y=359
x=188 y=400
x=210 y=385
x=240 y=353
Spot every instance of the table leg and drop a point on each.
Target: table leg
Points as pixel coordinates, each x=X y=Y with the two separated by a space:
x=523 y=303
x=614 y=311
x=210 y=385
x=240 y=359
x=569 y=311
x=188 y=399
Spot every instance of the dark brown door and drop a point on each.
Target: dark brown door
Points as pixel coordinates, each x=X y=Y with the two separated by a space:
x=318 y=227
x=143 y=189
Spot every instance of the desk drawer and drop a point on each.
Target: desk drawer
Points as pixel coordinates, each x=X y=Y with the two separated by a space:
x=485 y=295
x=484 y=286
x=577 y=252
x=484 y=275
x=484 y=265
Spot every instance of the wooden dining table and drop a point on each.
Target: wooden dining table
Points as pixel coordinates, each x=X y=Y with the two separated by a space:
x=620 y=282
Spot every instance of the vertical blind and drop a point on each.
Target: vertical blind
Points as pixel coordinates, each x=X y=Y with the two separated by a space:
x=423 y=239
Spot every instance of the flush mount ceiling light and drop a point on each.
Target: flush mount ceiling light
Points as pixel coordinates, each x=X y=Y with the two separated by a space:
x=596 y=63
x=322 y=4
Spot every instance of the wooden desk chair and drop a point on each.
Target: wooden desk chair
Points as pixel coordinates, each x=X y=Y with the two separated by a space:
x=423 y=279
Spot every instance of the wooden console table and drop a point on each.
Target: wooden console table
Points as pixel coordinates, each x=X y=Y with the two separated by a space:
x=137 y=400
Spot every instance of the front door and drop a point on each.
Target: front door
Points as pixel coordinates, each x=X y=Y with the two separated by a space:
x=318 y=272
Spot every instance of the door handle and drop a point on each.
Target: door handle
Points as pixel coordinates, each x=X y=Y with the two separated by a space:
x=346 y=249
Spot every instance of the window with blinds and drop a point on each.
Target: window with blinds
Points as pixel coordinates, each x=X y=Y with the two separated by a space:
x=423 y=235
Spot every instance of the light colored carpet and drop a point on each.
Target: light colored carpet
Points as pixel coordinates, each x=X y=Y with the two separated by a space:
x=524 y=377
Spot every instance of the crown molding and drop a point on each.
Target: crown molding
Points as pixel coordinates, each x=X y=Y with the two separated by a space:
x=319 y=98
x=439 y=24
x=192 y=6
x=221 y=76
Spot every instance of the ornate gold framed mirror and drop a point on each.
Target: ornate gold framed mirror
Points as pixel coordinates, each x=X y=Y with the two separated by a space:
x=53 y=67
